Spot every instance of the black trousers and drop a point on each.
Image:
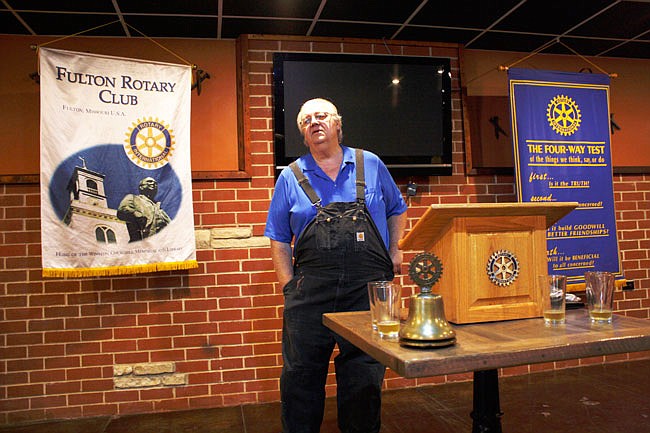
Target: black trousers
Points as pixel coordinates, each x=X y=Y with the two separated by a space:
x=307 y=348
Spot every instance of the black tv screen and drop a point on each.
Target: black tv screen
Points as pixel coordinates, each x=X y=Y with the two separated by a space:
x=395 y=106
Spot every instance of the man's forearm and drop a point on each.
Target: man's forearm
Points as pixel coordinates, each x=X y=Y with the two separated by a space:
x=282 y=261
x=396 y=227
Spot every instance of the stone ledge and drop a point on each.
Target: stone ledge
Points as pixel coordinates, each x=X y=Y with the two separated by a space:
x=254 y=242
x=202 y=239
x=231 y=232
x=229 y=238
x=147 y=375
x=153 y=368
x=176 y=379
x=136 y=382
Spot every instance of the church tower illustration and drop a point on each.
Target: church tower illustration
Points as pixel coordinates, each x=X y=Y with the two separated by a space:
x=88 y=213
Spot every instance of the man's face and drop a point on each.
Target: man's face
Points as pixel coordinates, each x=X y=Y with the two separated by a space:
x=318 y=126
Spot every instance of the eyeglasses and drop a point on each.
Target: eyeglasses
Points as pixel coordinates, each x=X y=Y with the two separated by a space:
x=307 y=119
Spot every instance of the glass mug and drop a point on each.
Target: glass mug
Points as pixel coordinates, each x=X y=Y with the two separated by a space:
x=599 y=287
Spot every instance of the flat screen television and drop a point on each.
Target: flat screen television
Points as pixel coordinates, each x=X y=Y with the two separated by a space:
x=398 y=107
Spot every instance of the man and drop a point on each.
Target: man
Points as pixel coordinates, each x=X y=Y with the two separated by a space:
x=345 y=215
x=143 y=215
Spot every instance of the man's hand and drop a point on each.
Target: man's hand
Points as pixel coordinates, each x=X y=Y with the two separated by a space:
x=397 y=258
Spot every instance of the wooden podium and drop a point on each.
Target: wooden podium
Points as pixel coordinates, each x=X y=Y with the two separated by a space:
x=492 y=256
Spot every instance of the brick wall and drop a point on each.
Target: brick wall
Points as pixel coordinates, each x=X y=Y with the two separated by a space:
x=211 y=336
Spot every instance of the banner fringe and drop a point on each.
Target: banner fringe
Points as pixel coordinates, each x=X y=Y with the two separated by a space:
x=119 y=270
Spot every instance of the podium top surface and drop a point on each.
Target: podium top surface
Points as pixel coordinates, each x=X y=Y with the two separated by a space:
x=437 y=216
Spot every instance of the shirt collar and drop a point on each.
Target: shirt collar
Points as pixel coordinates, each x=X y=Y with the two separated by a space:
x=310 y=163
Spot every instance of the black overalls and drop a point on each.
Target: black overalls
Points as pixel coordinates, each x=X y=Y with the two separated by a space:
x=339 y=251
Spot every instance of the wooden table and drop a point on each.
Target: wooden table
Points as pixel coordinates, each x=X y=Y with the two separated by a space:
x=484 y=347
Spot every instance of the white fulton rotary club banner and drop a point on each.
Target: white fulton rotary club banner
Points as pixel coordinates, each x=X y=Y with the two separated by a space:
x=116 y=187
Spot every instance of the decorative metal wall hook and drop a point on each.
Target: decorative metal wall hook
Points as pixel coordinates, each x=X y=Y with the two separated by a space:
x=199 y=76
x=613 y=125
x=494 y=120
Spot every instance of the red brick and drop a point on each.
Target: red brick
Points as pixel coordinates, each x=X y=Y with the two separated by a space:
x=121 y=396
x=84 y=373
x=155 y=344
x=172 y=405
x=200 y=328
x=97 y=360
x=233 y=206
x=130 y=308
x=96 y=310
x=13 y=251
x=191 y=317
x=49 y=375
x=68 y=412
x=86 y=398
x=46 y=350
x=63 y=362
x=234 y=326
x=62 y=336
x=190 y=391
x=82 y=348
x=67 y=387
x=200 y=304
x=166 y=306
x=135 y=407
x=118 y=321
x=14 y=378
x=125 y=333
x=24 y=339
x=154 y=319
x=193 y=366
x=156 y=394
x=82 y=298
x=61 y=311
x=262 y=385
x=23 y=313
x=237 y=399
x=96 y=385
x=189 y=341
x=131 y=358
x=17 y=391
x=24 y=364
x=13 y=405
x=82 y=323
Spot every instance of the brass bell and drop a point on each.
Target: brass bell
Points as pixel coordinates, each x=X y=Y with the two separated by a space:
x=426 y=325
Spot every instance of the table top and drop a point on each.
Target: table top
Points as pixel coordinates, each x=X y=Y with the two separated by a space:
x=487 y=346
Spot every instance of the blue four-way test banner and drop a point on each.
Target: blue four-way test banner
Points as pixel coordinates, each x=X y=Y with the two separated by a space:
x=562 y=153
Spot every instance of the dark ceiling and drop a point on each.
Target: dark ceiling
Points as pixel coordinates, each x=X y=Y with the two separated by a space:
x=612 y=28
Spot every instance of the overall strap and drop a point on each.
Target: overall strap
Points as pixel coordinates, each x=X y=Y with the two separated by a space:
x=361 y=177
x=304 y=183
x=309 y=190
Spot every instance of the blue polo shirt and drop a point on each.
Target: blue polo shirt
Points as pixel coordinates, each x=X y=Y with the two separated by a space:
x=291 y=210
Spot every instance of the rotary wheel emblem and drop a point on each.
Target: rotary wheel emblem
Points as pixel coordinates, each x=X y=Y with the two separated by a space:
x=503 y=268
x=149 y=143
x=425 y=269
x=563 y=115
